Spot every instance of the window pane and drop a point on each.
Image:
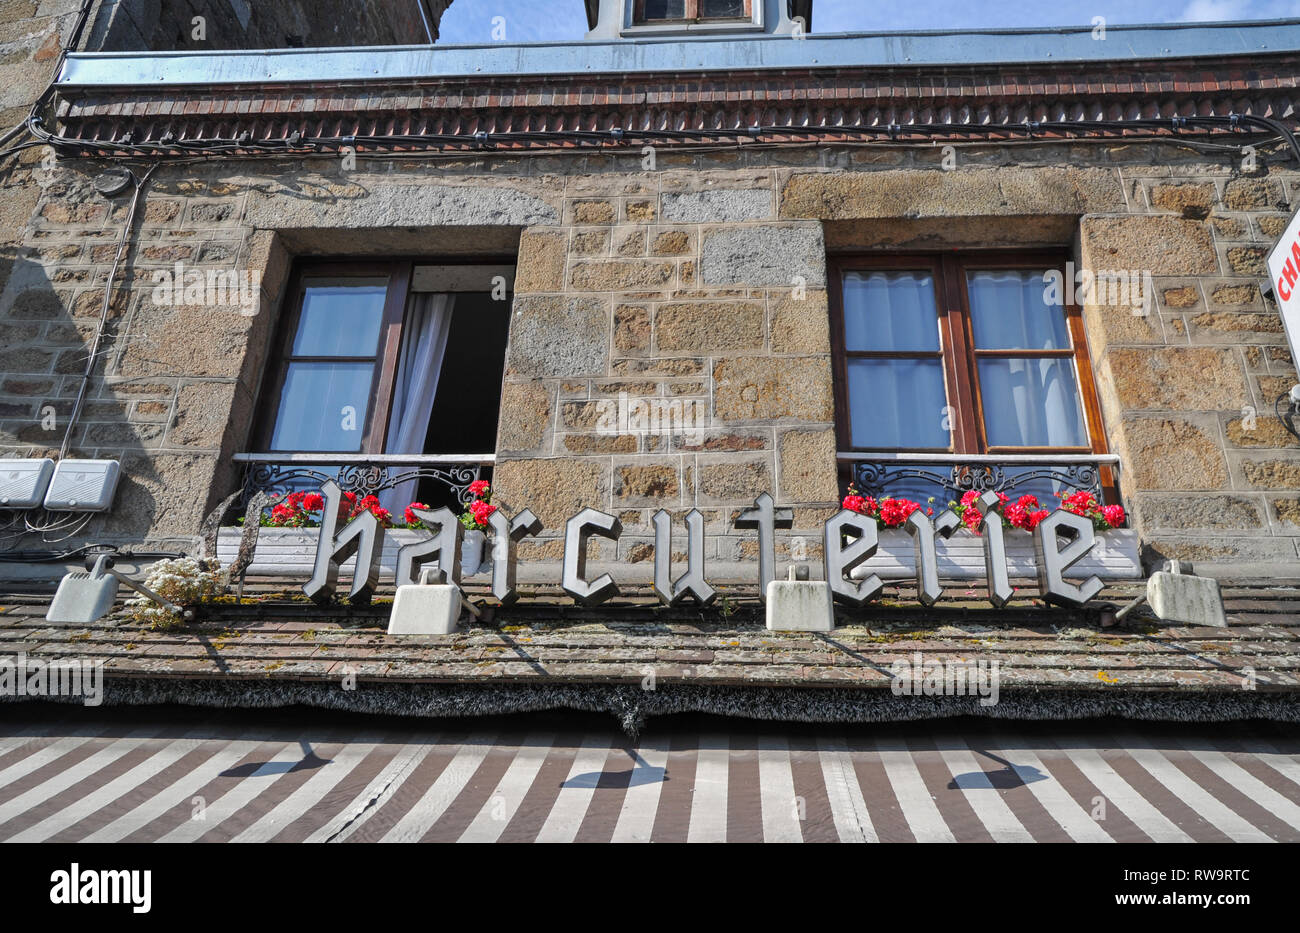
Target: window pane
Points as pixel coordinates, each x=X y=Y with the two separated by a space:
x=1008 y=312
x=717 y=9
x=1031 y=403
x=665 y=9
x=323 y=406
x=887 y=311
x=341 y=317
x=897 y=403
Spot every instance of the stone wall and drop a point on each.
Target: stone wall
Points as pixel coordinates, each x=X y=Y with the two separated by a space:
x=172 y=382
x=1188 y=384
x=669 y=349
x=158 y=25
x=701 y=285
x=31 y=35
x=1189 y=390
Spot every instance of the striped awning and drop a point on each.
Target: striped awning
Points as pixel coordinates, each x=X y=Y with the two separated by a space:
x=191 y=779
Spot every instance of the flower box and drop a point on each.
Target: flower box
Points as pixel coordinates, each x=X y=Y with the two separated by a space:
x=291 y=552
x=961 y=557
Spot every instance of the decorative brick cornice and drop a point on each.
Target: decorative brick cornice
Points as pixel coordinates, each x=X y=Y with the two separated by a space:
x=823 y=100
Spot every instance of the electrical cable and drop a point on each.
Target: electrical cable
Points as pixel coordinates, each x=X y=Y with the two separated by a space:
x=74 y=40
x=73 y=528
x=1286 y=420
x=46 y=557
x=1171 y=130
x=109 y=287
x=11 y=133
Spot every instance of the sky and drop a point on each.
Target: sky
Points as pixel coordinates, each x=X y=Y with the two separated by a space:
x=471 y=22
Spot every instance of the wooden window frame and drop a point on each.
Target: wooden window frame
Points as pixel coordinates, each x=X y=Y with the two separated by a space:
x=375 y=430
x=692 y=9
x=959 y=355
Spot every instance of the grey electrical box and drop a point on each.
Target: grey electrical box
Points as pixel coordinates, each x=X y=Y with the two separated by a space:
x=23 y=482
x=82 y=486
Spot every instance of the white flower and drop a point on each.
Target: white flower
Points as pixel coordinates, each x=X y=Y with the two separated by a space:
x=182 y=581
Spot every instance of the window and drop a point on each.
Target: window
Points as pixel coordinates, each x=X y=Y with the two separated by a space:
x=332 y=376
x=960 y=354
x=689 y=11
x=388 y=358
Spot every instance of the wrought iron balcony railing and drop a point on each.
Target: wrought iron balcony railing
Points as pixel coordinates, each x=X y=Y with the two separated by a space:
x=947 y=477
x=363 y=474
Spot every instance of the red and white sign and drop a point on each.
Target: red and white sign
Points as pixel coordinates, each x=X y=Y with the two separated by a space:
x=1284 y=270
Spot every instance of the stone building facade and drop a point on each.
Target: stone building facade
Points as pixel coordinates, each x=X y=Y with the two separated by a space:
x=693 y=271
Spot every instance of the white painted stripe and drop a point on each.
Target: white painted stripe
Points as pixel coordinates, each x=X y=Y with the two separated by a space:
x=322 y=781
x=1269 y=754
x=41 y=757
x=1119 y=793
x=1234 y=774
x=429 y=808
x=782 y=810
x=923 y=817
x=1055 y=799
x=983 y=797
x=365 y=804
x=1207 y=806
x=164 y=756
x=848 y=808
x=180 y=793
x=641 y=802
x=570 y=807
x=241 y=793
x=58 y=783
x=11 y=741
x=510 y=791
x=709 y=796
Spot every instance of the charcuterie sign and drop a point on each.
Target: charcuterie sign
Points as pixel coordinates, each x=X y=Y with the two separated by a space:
x=1061 y=540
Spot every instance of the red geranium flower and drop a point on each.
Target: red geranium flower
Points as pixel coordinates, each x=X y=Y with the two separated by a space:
x=894 y=512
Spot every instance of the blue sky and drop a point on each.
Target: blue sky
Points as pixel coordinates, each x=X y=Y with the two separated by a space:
x=471 y=21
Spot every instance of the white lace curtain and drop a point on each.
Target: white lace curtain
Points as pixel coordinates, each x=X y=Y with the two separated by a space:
x=428 y=322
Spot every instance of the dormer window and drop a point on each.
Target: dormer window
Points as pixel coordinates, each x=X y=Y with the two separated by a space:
x=611 y=20
x=663 y=12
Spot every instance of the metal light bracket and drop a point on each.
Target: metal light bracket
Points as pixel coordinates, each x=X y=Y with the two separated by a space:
x=83 y=598
x=1177 y=595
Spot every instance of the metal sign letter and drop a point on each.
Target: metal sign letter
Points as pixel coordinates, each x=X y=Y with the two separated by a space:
x=766 y=519
x=363 y=536
x=840 y=559
x=1054 y=560
x=582 y=526
x=691 y=583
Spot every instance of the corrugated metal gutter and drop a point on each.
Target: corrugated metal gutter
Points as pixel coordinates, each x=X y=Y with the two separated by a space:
x=896 y=49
